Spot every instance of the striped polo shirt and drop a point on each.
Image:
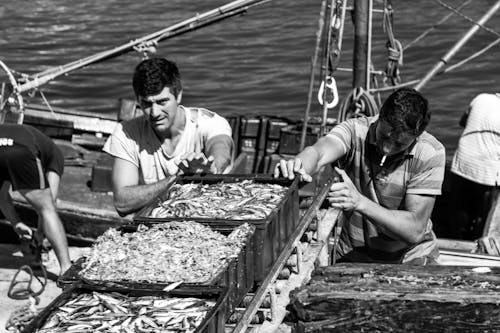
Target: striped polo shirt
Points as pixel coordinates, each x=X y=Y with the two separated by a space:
x=417 y=170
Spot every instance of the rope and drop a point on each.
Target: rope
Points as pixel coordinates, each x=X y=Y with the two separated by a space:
x=20 y=318
x=394 y=47
x=426 y=32
x=27 y=292
x=475 y=55
x=46 y=101
x=357 y=103
x=444 y=4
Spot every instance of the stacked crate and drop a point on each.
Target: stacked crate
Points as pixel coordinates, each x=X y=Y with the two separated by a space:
x=271 y=234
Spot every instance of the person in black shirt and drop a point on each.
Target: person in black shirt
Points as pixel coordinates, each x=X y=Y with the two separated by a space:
x=31 y=164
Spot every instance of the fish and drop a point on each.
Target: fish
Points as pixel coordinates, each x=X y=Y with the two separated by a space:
x=247 y=199
x=162 y=313
x=172 y=253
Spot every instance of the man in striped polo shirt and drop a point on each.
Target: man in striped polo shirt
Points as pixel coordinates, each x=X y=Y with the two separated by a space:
x=392 y=171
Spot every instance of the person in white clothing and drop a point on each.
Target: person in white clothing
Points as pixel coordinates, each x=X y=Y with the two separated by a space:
x=169 y=139
x=475 y=168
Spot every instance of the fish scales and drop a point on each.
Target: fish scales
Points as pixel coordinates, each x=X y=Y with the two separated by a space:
x=187 y=316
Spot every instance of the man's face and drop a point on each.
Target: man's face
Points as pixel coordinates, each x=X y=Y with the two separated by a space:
x=390 y=142
x=161 y=109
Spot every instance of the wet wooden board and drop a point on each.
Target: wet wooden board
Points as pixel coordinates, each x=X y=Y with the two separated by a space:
x=373 y=297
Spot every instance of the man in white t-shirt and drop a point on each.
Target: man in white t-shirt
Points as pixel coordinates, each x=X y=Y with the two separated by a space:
x=475 y=178
x=168 y=139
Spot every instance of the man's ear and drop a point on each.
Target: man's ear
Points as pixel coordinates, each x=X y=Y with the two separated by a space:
x=179 y=97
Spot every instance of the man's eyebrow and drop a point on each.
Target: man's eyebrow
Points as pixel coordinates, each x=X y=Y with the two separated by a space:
x=144 y=99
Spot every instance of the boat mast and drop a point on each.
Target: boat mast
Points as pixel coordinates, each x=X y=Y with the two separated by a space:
x=361 y=54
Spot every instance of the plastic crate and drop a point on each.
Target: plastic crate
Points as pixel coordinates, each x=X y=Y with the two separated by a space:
x=214 y=321
x=272 y=233
x=237 y=277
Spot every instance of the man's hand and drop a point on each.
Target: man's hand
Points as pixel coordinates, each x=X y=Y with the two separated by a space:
x=290 y=168
x=489 y=245
x=196 y=163
x=344 y=195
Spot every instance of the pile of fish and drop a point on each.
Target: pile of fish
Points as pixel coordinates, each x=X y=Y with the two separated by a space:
x=164 y=253
x=244 y=200
x=115 y=312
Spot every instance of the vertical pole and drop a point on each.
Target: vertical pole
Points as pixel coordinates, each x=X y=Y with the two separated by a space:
x=326 y=67
x=314 y=60
x=360 y=65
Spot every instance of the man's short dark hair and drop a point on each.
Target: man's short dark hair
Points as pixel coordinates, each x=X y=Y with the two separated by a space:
x=406 y=110
x=151 y=76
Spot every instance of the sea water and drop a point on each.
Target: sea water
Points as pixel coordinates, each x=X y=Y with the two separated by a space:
x=255 y=64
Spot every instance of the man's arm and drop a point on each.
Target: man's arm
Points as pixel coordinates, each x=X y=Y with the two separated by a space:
x=326 y=150
x=7 y=207
x=54 y=179
x=408 y=225
x=220 y=147
x=128 y=195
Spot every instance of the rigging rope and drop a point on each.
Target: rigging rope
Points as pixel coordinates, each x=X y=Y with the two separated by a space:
x=334 y=21
x=427 y=31
x=444 y=4
x=456 y=65
x=394 y=47
x=357 y=103
x=475 y=55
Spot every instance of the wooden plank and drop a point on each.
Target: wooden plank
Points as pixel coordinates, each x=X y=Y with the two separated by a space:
x=280 y=262
x=310 y=255
x=85 y=123
x=456 y=245
x=457 y=258
x=380 y=297
x=382 y=281
x=402 y=316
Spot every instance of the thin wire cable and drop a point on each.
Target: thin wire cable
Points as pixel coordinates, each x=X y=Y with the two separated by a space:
x=426 y=32
x=473 y=56
x=444 y=4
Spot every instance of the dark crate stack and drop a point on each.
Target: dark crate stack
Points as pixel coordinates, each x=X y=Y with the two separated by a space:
x=237 y=277
x=271 y=234
x=397 y=298
x=214 y=321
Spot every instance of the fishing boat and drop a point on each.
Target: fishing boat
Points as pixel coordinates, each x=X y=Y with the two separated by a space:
x=85 y=203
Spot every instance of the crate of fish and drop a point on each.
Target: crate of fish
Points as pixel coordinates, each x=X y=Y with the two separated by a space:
x=227 y=201
x=84 y=309
x=183 y=255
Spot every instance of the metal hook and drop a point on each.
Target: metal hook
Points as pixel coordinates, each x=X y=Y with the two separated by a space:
x=332 y=85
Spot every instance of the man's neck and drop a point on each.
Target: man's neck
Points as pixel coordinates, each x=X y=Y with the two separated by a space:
x=177 y=128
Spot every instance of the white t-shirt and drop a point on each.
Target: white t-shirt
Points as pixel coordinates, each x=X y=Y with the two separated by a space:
x=477 y=157
x=135 y=141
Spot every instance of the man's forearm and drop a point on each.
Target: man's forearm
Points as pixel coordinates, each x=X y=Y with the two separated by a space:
x=221 y=148
x=7 y=206
x=129 y=199
x=310 y=160
x=399 y=224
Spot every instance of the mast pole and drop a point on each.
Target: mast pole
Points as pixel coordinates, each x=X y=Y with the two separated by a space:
x=360 y=56
x=458 y=45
